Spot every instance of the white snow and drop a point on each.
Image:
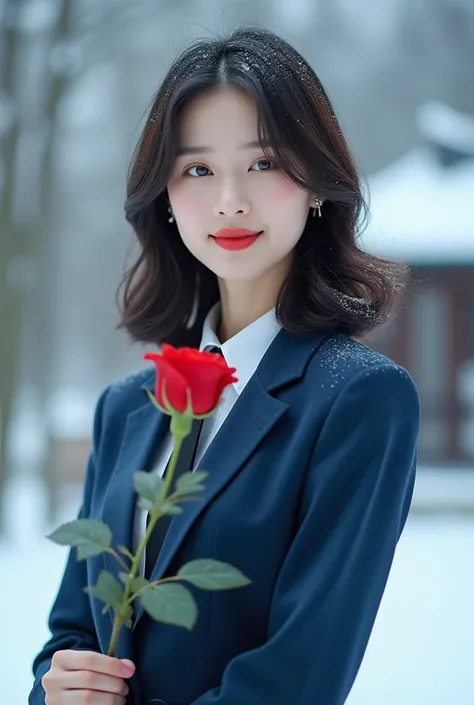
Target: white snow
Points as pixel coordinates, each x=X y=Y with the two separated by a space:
x=421 y=648
x=420 y=209
x=447 y=126
x=420 y=213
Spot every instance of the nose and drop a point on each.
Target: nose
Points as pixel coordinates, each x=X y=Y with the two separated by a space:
x=231 y=202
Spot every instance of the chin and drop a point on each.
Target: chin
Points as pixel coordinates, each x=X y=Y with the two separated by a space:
x=229 y=274
x=242 y=273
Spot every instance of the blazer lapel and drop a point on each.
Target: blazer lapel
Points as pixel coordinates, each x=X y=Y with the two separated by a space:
x=250 y=420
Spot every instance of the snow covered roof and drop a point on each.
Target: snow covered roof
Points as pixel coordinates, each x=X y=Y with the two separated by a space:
x=421 y=209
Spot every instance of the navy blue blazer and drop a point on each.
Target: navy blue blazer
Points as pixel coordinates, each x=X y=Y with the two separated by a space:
x=310 y=482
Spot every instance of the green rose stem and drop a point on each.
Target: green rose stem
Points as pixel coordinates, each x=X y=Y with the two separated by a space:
x=92 y=537
x=180 y=427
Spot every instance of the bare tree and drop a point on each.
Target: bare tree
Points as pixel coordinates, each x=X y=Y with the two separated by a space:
x=61 y=63
x=16 y=246
x=34 y=72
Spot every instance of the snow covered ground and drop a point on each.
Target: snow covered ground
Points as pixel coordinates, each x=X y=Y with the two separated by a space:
x=422 y=647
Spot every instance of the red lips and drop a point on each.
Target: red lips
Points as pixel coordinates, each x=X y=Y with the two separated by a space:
x=235 y=238
x=235 y=232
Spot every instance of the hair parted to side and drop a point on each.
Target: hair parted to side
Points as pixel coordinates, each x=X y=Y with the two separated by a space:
x=332 y=284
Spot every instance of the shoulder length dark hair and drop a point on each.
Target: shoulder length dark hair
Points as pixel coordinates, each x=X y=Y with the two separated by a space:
x=333 y=284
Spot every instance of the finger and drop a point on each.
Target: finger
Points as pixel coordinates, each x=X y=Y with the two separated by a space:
x=90 y=680
x=79 y=697
x=70 y=660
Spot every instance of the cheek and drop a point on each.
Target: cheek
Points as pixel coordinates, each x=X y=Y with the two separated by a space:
x=185 y=201
x=283 y=193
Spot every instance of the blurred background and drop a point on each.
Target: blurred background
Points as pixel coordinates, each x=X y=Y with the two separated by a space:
x=76 y=78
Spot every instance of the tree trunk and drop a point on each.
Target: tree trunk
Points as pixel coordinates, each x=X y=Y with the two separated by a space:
x=45 y=292
x=27 y=242
x=15 y=250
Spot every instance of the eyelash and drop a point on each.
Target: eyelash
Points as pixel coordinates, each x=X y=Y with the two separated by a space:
x=193 y=166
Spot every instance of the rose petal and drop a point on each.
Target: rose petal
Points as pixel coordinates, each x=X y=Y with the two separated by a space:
x=206 y=375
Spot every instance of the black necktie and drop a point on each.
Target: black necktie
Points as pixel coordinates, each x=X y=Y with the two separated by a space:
x=185 y=463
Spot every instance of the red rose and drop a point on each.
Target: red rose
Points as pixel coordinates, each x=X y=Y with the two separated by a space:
x=205 y=374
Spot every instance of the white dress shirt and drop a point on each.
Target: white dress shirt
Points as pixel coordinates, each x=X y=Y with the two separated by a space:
x=244 y=352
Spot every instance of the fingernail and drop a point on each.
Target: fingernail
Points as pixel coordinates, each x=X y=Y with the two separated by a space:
x=127 y=671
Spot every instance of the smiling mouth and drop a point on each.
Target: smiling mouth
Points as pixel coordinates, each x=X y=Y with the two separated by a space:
x=236 y=242
x=230 y=233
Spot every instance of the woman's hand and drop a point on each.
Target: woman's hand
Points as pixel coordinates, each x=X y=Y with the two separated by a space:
x=86 y=678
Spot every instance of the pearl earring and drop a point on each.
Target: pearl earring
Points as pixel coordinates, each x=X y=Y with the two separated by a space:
x=318 y=203
x=171 y=218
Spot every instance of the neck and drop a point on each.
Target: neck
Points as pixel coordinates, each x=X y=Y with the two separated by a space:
x=244 y=301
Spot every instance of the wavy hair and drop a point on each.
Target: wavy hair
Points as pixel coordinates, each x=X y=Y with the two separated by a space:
x=332 y=284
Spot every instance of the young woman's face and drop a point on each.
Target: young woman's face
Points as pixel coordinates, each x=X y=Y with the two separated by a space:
x=222 y=179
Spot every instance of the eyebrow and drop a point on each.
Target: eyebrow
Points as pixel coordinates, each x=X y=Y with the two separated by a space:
x=199 y=150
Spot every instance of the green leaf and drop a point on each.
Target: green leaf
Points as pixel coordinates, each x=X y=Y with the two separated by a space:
x=208 y=574
x=107 y=589
x=90 y=536
x=148 y=485
x=170 y=508
x=171 y=604
x=146 y=504
x=139 y=583
x=190 y=482
x=126 y=552
x=123 y=577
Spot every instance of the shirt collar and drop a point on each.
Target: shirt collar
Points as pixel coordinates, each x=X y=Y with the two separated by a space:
x=245 y=349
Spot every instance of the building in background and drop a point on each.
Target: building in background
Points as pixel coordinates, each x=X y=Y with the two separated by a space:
x=420 y=207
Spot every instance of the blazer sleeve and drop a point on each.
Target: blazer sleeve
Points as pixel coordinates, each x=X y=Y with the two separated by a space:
x=70 y=619
x=353 y=509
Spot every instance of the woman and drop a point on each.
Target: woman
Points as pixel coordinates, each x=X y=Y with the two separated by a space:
x=245 y=201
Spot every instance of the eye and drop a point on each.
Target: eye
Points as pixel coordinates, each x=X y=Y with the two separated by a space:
x=199 y=173
x=267 y=164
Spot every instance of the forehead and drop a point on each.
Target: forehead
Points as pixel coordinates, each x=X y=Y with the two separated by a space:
x=226 y=113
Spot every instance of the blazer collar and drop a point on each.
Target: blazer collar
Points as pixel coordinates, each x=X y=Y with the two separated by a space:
x=245 y=349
